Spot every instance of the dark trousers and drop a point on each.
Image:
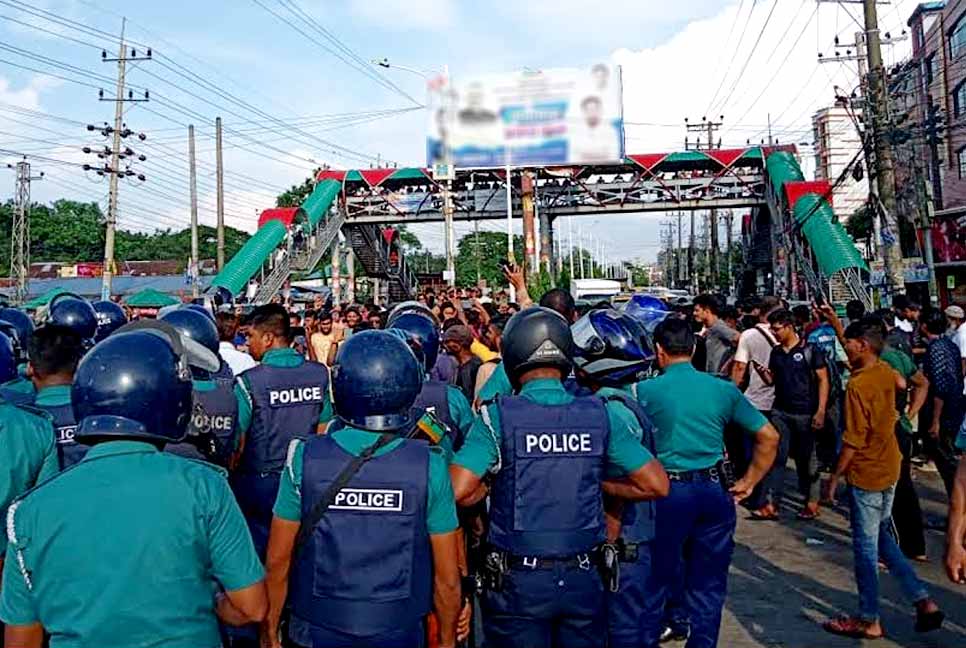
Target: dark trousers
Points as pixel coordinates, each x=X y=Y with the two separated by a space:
x=943 y=453
x=562 y=607
x=700 y=514
x=828 y=442
x=625 y=607
x=796 y=437
x=401 y=638
x=907 y=514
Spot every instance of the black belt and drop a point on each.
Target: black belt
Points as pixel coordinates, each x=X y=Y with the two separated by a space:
x=581 y=561
x=714 y=473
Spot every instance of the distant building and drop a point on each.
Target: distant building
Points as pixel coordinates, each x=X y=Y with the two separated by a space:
x=837 y=142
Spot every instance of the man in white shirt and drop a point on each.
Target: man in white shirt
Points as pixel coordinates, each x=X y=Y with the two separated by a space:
x=957 y=329
x=235 y=359
x=907 y=313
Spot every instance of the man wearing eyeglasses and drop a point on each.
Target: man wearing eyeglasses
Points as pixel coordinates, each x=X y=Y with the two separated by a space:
x=799 y=374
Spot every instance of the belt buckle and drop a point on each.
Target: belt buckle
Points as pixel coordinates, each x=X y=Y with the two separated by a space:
x=530 y=562
x=583 y=561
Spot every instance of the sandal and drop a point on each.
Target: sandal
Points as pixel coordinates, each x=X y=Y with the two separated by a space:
x=764 y=515
x=808 y=514
x=852 y=627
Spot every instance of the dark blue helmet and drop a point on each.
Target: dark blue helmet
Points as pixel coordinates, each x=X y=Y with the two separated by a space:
x=411 y=307
x=110 y=317
x=647 y=310
x=25 y=325
x=220 y=296
x=375 y=381
x=8 y=360
x=422 y=331
x=137 y=384
x=191 y=323
x=8 y=329
x=610 y=348
x=536 y=337
x=73 y=313
x=200 y=308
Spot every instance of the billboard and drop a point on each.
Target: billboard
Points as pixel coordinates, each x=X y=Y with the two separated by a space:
x=528 y=118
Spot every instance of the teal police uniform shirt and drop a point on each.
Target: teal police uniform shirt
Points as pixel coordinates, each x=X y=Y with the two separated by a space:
x=625 y=454
x=462 y=415
x=27 y=452
x=440 y=505
x=127 y=548
x=20 y=385
x=498 y=384
x=690 y=410
x=273 y=358
x=53 y=396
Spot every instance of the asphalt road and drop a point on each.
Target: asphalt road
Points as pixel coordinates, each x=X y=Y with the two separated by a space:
x=781 y=587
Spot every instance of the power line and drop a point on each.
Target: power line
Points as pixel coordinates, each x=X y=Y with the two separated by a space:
x=751 y=54
x=734 y=54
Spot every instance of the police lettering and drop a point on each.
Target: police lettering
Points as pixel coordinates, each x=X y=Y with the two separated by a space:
x=207 y=422
x=66 y=434
x=295 y=395
x=368 y=499
x=558 y=443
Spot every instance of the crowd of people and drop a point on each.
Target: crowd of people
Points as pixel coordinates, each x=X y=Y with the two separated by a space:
x=459 y=468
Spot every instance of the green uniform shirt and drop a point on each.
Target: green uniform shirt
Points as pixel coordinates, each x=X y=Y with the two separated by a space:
x=127 y=548
x=21 y=385
x=907 y=369
x=498 y=384
x=273 y=358
x=481 y=451
x=27 y=452
x=462 y=415
x=690 y=410
x=440 y=504
x=53 y=396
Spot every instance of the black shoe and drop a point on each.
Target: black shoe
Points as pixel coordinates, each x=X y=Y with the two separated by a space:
x=675 y=634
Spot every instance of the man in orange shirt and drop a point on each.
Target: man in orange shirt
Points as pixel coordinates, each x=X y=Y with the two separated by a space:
x=870 y=461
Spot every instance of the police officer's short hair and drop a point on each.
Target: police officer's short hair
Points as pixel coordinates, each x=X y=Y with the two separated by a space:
x=871 y=329
x=675 y=336
x=560 y=300
x=55 y=350
x=272 y=318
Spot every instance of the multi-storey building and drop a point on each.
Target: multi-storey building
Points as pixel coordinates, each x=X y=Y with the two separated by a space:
x=837 y=142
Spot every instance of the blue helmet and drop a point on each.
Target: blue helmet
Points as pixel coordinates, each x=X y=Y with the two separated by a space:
x=536 y=337
x=194 y=324
x=25 y=325
x=220 y=296
x=610 y=348
x=408 y=308
x=647 y=310
x=110 y=317
x=137 y=384
x=422 y=331
x=375 y=381
x=200 y=307
x=74 y=313
x=8 y=329
x=8 y=359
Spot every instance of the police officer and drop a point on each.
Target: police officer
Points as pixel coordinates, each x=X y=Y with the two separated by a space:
x=131 y=546
x=74 y=313
x=54 y=353
x=18 y=389
x=285 y=397
x=690 y=410
x=445 y=401
x=611 y=354
x=213 y=428
x=549 y=452
x=110 y=317
x=379 y=545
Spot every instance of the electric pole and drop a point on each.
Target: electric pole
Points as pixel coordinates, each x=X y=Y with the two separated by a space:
x=729 y=219
x=679 y=275
x=713 y=249
x=570 y=235
x=692 y=275
x=220 y=197
x=193 y=189
x=119 y=132
x=706 y=128
x=476 y=237
x=20 y=231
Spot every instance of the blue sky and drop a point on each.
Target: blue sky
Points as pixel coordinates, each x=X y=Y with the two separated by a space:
x=674 y=56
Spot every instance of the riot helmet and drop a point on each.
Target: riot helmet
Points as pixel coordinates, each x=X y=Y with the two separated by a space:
x=8 y=329
x=536 y=337
x=423 y=331
x=110 y=317
x=25 y=325
x=610 y=348
x=72 y=312
x=411 y=307
x=647 y=310
x=8 y=360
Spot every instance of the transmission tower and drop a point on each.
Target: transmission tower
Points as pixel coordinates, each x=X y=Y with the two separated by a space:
x=20 y=231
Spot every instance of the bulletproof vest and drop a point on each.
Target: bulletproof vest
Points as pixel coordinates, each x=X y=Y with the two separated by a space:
x=547 y=501
x=224 y=372
x=69 y=451
x=435 y=395
x=286 y=404
x=367 y=567
x=213 y=426
x=637 y=521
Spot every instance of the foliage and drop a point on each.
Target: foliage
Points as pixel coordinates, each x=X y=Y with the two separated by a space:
x=859 y=225
x=491 y=250
x=72 y=232
x=539 y=284
x=297 y=194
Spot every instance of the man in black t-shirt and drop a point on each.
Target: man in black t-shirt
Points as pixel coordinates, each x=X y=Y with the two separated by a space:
x=799 y=374
x=457 y=341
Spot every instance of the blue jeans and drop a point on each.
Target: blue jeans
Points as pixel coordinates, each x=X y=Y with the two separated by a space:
x=701 y=516
x=874 y=538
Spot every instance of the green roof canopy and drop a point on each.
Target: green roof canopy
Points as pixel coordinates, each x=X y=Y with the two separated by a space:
x=319 y=201
x=243 y=266
x=151 y=298
x=45 y=299
x=833 y=247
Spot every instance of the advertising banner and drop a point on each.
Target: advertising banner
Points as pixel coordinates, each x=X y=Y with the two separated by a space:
x=528 y=118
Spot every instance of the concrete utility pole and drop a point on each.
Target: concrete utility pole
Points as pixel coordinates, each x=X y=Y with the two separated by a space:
x=220 y=196
x=193 y=189
x=20 y=231
x=476 y=240
x=679 y=274
x=692 y=275
x=730 y=220
x=570 y=235
x=350 y=284
x=713 y=250
x=706 y=128
x=336 y=253
x=885 y=169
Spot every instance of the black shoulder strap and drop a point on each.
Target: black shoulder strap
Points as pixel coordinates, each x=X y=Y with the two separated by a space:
x=341 y=481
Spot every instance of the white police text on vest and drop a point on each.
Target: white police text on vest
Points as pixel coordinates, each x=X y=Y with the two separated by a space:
x=295 y=395
x=66 y=434
x=208 y=422
x=368 y=499
x=565 y=443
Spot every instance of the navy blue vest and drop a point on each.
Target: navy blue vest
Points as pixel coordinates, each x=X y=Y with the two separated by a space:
x=637 y=522
x=69 y=451
x=547 y=501
x=213 y=426
x=435 y=395
x=367 y=567
x=286 y=402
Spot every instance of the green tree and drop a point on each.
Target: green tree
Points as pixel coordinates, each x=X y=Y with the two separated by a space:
x=490 y=250
x=297 y=194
